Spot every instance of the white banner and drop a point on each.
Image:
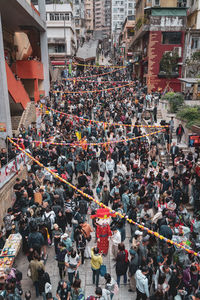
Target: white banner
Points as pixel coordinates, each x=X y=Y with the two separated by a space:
x=12 y=168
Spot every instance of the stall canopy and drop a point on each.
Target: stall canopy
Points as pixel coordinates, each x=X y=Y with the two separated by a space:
x=87 y=51
x=190 y=80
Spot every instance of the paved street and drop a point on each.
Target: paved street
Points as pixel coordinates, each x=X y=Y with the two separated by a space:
x=84 y=271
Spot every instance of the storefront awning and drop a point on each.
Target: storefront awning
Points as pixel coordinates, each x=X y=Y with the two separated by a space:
x=58 y=63
x=190 y=80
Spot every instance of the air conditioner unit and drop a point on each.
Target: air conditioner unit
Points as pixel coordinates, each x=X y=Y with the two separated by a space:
x=169 y=52
x=178 y=50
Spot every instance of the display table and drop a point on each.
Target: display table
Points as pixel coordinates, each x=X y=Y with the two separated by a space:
x=9 y=252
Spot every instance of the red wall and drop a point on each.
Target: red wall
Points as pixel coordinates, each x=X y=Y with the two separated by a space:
x=155 y=53
x=29 y=69
x=16 y=88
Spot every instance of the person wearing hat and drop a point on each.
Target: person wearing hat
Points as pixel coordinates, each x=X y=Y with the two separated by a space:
x=66 y=240
x=137 y=239
x=133 y=266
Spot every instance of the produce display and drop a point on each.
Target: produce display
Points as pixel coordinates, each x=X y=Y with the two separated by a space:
x=9 y=252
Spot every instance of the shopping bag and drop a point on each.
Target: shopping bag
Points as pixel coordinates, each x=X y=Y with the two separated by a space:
x=103 y=270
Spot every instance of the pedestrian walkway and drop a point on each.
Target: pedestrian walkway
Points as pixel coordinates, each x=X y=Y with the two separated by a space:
x=85 y=271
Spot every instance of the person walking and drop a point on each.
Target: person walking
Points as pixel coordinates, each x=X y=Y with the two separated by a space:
x=96 y=262
x=111 y=285
x=72 y=262
x=94 y=166
x=34 y=266
x=122 y=263
x=116 y=240
x=110 y=166
x=155 y=110
x=179 y=133
x=174 y=151
x=142 y=287
x=133 y=266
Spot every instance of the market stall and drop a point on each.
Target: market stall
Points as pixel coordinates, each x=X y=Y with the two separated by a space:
x=9 y=252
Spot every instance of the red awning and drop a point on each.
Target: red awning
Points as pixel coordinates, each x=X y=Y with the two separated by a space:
x=58 y=63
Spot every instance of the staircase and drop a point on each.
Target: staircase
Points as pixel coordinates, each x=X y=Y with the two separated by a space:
x=16 y=88
x=28 y=117
x=15 y=120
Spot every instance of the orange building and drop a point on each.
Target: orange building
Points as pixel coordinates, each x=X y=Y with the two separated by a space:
x=24 y=66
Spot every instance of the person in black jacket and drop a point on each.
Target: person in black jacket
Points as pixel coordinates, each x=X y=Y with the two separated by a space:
x=35 y=239
x=133 y=266
x=122 y=263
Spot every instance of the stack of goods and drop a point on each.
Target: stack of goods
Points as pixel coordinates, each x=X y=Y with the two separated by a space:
x=9 y=252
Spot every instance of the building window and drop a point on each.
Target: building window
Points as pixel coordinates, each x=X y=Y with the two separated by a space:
x=57 y=17
x=182 y=3
x=67 y=17
x=88 y=12
x=51 y=16
x=157 y=3
x=130 y=12
x=195 y=43
x=62 y=17
x=57 y=48
x=171 y=38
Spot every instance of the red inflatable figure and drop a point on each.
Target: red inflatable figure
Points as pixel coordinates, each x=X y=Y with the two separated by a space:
x=103 y=232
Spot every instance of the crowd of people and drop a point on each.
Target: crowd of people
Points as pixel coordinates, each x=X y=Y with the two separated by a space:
x=125 y=175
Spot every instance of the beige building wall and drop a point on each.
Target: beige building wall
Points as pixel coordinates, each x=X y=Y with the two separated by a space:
x=89 y=15
x=24 y=49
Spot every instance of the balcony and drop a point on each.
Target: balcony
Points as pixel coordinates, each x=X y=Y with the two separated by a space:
x=138 y=34
x=29 y=69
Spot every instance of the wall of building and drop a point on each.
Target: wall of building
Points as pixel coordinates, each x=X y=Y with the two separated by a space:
x=168 y=3
x=89 y=15
x=7 y=195
x=29 y=87
x=155 y=53
x=24 y=49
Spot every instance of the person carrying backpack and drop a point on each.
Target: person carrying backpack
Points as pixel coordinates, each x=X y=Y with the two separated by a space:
x=44 y=283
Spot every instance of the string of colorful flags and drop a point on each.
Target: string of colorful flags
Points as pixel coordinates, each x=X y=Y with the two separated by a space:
x=83 y=142
x=104 y=123
x=149 y=231
x=92 y=76
x=93 y=91
x=100 y=66
x=102 y=81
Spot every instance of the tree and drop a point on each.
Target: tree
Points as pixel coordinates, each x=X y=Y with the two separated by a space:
x=169 y=64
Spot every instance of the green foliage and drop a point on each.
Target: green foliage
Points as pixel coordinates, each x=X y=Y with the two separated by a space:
x=175 y=101
x=139 y=23
x=168 y=63
x=191 y=115
x=193 y=65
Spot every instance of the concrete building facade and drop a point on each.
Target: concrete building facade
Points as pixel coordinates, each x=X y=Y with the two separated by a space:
x=119 y=11
x=102 y=18
x=24 y=67
x=79 y=20
x=60 y=31
x=89 y=15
